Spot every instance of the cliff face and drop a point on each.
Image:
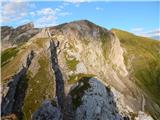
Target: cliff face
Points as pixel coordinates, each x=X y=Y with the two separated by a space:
x=21 y=34
x=128 y=64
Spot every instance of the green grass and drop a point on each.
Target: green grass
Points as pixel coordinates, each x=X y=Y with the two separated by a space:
x=40 y=42
x=145 y=63
x=78 y=91
x=133 y=115
x=7 y=54
x=53 y=102
x=70 y=47
x=71 y=64
x=74 y=78
x=40 y=87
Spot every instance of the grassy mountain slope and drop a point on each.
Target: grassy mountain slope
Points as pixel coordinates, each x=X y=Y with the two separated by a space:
x=145 y=54
x=142 y=58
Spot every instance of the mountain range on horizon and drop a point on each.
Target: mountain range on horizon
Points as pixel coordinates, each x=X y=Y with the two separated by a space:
x=78 y=71
x=155 y=37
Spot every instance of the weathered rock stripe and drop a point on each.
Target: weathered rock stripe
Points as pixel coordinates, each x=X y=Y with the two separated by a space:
x=58 y=74
x=10 y=102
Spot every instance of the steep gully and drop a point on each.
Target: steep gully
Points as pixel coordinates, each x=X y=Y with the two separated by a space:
x=12 y=102
x=64 y=102
x=58 y=74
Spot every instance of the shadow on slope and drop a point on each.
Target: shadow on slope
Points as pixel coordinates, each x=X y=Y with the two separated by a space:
x=12 y=102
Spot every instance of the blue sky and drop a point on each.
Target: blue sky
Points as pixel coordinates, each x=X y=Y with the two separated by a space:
x=138 y=17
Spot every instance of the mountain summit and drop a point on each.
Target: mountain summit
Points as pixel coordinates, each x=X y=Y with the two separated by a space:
x=79 y=71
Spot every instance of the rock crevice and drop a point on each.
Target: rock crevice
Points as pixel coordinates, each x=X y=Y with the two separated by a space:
x=12 y=100
x=58 y=74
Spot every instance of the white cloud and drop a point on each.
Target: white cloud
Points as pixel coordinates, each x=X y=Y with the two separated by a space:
x=32 y=13
x=46 y=11
x=45 y=21
x=82 y=1
x=22 y=12
x=14 y=10
x=13 y=7
x=77 y=1
x=44 y=17
x=57 y=9
x=154 y=32
x=99 y=8
x=48 y=16
x=141 y=32
x=61 y=6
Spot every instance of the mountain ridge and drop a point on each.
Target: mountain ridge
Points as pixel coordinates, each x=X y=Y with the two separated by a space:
x=84 y=21
x=85 y=49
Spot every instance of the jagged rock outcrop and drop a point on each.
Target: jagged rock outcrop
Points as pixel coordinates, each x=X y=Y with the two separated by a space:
x=88 y=99
x=6 y=31
x=58 y=75
x=93 y=101
x=14 y=92
x=48 y=111
x=21 y=34
x=9 y=99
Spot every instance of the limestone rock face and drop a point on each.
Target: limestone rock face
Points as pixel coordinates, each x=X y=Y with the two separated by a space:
x=47 y=111
x=93 y=101
x=88 y=99
x=17 y=35
x=5 y=30
x=143 y=116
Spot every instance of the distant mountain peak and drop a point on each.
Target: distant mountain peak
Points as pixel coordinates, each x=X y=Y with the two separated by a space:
x=30 y=25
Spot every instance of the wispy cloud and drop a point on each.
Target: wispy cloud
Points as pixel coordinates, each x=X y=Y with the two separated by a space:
x=45 y=17
x=77 y=1
x=151 y=33
x=48 y=16
x=9 y=11
x=14 y=10
x=154 y=32
x=58 y=9
x=45 y=21
x=21 y=12
x=46 y=11
x=99 y=9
